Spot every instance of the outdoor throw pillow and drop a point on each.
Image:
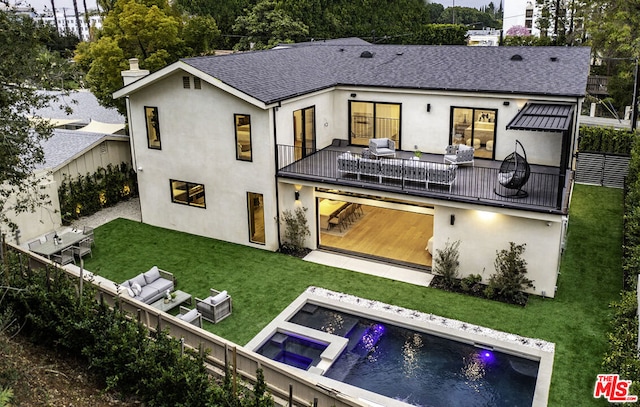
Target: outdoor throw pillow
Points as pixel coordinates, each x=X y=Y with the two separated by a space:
x=136 y=289
x=219 y=297
x=152 y=275
x=130 y=292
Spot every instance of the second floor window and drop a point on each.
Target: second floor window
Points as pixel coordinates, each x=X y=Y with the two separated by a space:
x=153 y=127
x=243 y=136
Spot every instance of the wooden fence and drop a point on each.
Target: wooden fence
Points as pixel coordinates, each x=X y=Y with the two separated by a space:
x=607 y=170
x=286 y=387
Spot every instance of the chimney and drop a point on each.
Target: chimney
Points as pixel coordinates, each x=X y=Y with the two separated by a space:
x=134 y=73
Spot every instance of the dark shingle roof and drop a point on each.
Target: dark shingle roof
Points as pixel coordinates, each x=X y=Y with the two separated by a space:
x=278 y=74
x=85 y=108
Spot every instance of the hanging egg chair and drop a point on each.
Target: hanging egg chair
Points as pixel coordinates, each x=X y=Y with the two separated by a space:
x=513 y=174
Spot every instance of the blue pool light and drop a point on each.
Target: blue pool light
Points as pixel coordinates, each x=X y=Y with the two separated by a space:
x=486 y=356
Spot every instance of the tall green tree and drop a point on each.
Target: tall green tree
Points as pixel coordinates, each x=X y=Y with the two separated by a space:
x=26 y=67
x=267 y=25
x=150 y=30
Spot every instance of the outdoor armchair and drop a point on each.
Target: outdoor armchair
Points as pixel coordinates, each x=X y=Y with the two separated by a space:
x=459 y=154
x=216 y=307
x=192 y=316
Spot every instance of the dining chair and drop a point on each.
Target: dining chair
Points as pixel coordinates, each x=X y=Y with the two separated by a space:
x=64 y=257
x=82 y=248
x=49 y=236
x=35 y=244
x=88 y=230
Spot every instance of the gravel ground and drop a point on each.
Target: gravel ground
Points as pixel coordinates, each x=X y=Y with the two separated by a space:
x=128 y=210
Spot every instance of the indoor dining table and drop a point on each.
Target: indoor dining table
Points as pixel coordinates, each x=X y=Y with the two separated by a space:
x=65 y=240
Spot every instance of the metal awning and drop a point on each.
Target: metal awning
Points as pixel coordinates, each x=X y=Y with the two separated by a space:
x=543 y=117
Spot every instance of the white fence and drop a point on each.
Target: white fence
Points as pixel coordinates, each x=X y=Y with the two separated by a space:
x=286 y=387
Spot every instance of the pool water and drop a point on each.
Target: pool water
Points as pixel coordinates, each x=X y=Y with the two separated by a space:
x=293 y=350
x=419 y=368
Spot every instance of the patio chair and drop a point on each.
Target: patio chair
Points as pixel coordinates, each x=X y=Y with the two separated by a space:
x=82 y=248
x=35 y=244
x=49 y=236
x=381 y=147
x=64 y=257
x=216 y=307
x=88 y=230
x=459 y=154
x=514 y=173
x=192 y=316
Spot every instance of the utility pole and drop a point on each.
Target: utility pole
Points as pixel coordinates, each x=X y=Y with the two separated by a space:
x=634 y=103
x=453 y=9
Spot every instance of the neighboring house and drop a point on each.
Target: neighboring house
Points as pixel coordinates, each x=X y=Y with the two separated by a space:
x=97 y=142
x=487 y=37
x=224 y=144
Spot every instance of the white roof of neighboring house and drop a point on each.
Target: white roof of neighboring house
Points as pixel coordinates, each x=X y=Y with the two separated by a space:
x=85 y=108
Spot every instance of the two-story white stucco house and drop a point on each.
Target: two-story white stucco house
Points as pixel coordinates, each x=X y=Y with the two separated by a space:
x=224 y=144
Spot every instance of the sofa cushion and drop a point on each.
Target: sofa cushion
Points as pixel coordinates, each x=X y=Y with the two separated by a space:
x=161 y=285
x=152 y=275
x=203 y=307
x=189 y=316
x=218 y=298
x=138 y=279
x=148 y=293
x=130 y=292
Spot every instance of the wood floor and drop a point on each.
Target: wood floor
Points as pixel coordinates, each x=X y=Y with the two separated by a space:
x=387 y=233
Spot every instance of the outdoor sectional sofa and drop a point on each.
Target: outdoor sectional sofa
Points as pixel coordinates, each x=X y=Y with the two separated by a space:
x=153 y=285
x=394 y=168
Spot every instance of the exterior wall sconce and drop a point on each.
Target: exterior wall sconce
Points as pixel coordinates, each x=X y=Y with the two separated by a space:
x=140 y=169
x=452 y=220
x=428 y=107
x=505 y=103
x=353 y=95
x=297 y=195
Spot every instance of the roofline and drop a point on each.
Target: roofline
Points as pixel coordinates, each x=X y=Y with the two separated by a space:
x=105 y=137
x=183 y=66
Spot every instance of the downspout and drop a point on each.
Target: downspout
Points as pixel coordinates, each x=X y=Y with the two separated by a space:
x=275 y=144
x=134 y=162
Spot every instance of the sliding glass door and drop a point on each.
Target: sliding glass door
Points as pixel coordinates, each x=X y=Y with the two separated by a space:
x=373 y=120
x=304 y=131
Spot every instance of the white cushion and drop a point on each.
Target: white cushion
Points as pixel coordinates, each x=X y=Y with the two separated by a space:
x=189 y=316
x=135 y=287
x=130 y=292
x=219 y=298
x=152 y=275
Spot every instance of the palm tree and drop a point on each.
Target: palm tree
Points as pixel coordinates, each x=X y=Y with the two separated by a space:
x=55 y=16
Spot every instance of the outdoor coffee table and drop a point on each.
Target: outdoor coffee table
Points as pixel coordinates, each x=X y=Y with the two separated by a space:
x=181 y=298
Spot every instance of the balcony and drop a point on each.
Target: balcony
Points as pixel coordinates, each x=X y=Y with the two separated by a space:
x=547 y=188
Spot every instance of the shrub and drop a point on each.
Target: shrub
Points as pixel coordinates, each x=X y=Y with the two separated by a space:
x=510 y=279
x=472 y=284
x=296 y=229
x=446 y=264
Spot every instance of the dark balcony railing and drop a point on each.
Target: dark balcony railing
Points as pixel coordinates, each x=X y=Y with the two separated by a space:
x=477 y=184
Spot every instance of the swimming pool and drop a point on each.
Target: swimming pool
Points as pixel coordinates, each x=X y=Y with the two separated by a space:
x=419 y=368
x=387 y=355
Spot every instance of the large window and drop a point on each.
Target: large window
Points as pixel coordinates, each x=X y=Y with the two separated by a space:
x=476 y=128
x=187 y=193
x=255 y=209
x=373 y=120
x=304 y=130
x=243 y=136
x=153 y=127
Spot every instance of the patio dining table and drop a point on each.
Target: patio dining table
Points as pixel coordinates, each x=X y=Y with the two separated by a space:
x=65 y=240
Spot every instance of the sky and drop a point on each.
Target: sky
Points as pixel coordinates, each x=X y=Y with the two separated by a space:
x=91 y=4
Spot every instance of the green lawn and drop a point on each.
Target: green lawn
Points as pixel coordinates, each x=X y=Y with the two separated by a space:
x=262 y=284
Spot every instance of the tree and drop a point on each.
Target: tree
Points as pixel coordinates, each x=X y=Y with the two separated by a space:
x=266 y=25
x=26 y=66
x=441 y=34
x=150 y=30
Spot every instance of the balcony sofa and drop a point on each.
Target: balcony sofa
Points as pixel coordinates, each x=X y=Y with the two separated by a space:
x=405 y=170
x=150 y=286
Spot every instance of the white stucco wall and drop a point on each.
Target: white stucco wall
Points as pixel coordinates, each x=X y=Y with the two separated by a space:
x=45 y=218
x=198 y=145
x=482 y=233
x=429 y=131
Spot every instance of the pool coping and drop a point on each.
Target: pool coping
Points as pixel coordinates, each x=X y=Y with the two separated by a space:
x=530 y=348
